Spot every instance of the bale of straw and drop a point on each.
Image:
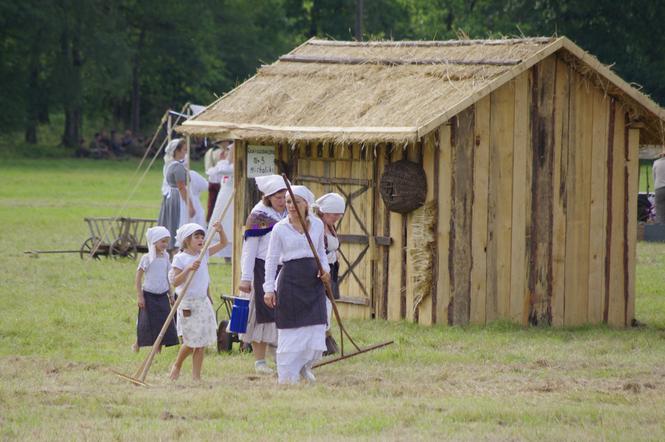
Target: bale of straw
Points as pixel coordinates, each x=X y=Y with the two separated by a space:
x=421 y=251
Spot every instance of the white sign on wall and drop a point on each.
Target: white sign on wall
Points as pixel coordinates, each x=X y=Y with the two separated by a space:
x=260 y=161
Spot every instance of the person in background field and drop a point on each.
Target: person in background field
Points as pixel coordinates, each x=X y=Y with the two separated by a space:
x=177 y=207
x=659 y=186
x=197 y=185
x=153 y=291
x=196 y=317
x=210 y=160
x=224 y=169
x=298 y=297
x=330 y=209
x=261 y=330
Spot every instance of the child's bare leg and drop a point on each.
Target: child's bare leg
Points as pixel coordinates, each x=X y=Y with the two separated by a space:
x=177 y=365
x=259 y=350
x=197 y=363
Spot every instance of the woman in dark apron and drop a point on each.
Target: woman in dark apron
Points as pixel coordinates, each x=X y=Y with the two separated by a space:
x=298 y=297
x=261 y=330
x=330 y=209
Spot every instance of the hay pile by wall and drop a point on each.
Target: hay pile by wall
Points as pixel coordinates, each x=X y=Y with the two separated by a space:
x=421 y=250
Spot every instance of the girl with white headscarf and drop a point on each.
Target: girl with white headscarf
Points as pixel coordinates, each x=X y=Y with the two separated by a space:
x=261 y=330
x=298 y=296
x=154 y=291
x=196 y=316
x=177 y=206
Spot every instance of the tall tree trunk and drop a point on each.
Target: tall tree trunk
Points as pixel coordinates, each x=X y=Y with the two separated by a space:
x=73 y=99
x=32 y=111
x=135 y=113
x=358 y=29
x=36 y=96
x=314 y=17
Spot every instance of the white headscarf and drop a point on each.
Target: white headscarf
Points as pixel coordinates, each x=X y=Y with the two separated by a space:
x=154 y=234
x=331 y=203
x=304 y=193
x=187 y=230
x=170 y=148
x=270 y=184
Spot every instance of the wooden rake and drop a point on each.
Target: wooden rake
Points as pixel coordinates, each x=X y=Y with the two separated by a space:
x=139 y=376
x=342 y=330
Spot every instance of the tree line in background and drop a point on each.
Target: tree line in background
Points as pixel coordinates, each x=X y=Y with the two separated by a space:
x=126 y=61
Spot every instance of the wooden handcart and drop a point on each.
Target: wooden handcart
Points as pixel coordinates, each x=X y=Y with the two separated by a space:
x=116 y=237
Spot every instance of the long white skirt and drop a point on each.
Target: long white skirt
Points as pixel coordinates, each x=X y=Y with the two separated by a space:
x=199 y=329
x=225 y=191
x=298 y=348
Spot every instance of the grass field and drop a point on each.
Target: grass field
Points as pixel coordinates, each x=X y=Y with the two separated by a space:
x=66 y=322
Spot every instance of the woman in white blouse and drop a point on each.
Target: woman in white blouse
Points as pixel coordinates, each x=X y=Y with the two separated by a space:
x=222 y=172
x=261 y=330
x=299 y=297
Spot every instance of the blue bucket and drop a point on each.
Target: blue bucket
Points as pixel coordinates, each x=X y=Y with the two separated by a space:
x=239 y=314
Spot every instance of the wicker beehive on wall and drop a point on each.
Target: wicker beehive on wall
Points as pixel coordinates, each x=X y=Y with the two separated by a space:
x=403 y=186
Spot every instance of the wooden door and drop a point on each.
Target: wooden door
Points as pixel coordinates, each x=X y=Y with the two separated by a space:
x=347 y=170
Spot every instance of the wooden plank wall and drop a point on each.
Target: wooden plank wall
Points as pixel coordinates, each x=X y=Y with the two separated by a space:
x=547 y=235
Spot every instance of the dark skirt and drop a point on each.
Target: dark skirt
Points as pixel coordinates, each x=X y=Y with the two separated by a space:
x=334 y=279
x=151 y=320
x=264 y=314
x=301 y=297
x=213 y=190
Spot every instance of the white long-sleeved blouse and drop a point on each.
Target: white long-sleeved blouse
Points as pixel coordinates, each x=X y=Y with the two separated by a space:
x=287 y=244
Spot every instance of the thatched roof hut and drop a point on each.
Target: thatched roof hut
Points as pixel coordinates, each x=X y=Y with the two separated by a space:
x=528 y=148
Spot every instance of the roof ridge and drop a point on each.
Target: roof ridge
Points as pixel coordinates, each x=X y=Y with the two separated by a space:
x=425 y=43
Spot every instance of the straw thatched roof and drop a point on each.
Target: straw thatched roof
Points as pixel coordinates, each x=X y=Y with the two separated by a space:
x=383 y=91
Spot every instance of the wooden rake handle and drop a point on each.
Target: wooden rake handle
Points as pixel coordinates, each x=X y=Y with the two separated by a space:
x=321 y=271
x=142 y=371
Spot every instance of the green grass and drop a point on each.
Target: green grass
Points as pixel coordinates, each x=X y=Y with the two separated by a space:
x=66 y=322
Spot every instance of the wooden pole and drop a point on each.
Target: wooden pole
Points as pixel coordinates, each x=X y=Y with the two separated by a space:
x=318 y=264
x=142 y=371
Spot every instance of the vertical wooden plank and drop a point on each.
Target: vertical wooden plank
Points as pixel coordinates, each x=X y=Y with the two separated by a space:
x=518 y=263
x=239 y=178
x=559 y=190
x=412 y=154
x=367 y=171
x=386 y=250
x=502 y=109
x=598 y=210
x=616 y=314
x=578 y=184
x=632 y=176
x=479 y=211
x=396 y=249
x=460 y=226
x=377 y=230
x=609 y=228
x=542 y=147
x=443 y=228
x=428 y=155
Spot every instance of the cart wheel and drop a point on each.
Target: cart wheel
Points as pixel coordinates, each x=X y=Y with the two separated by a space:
x=124 y=248
x=224 y=341
x=87 y=247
